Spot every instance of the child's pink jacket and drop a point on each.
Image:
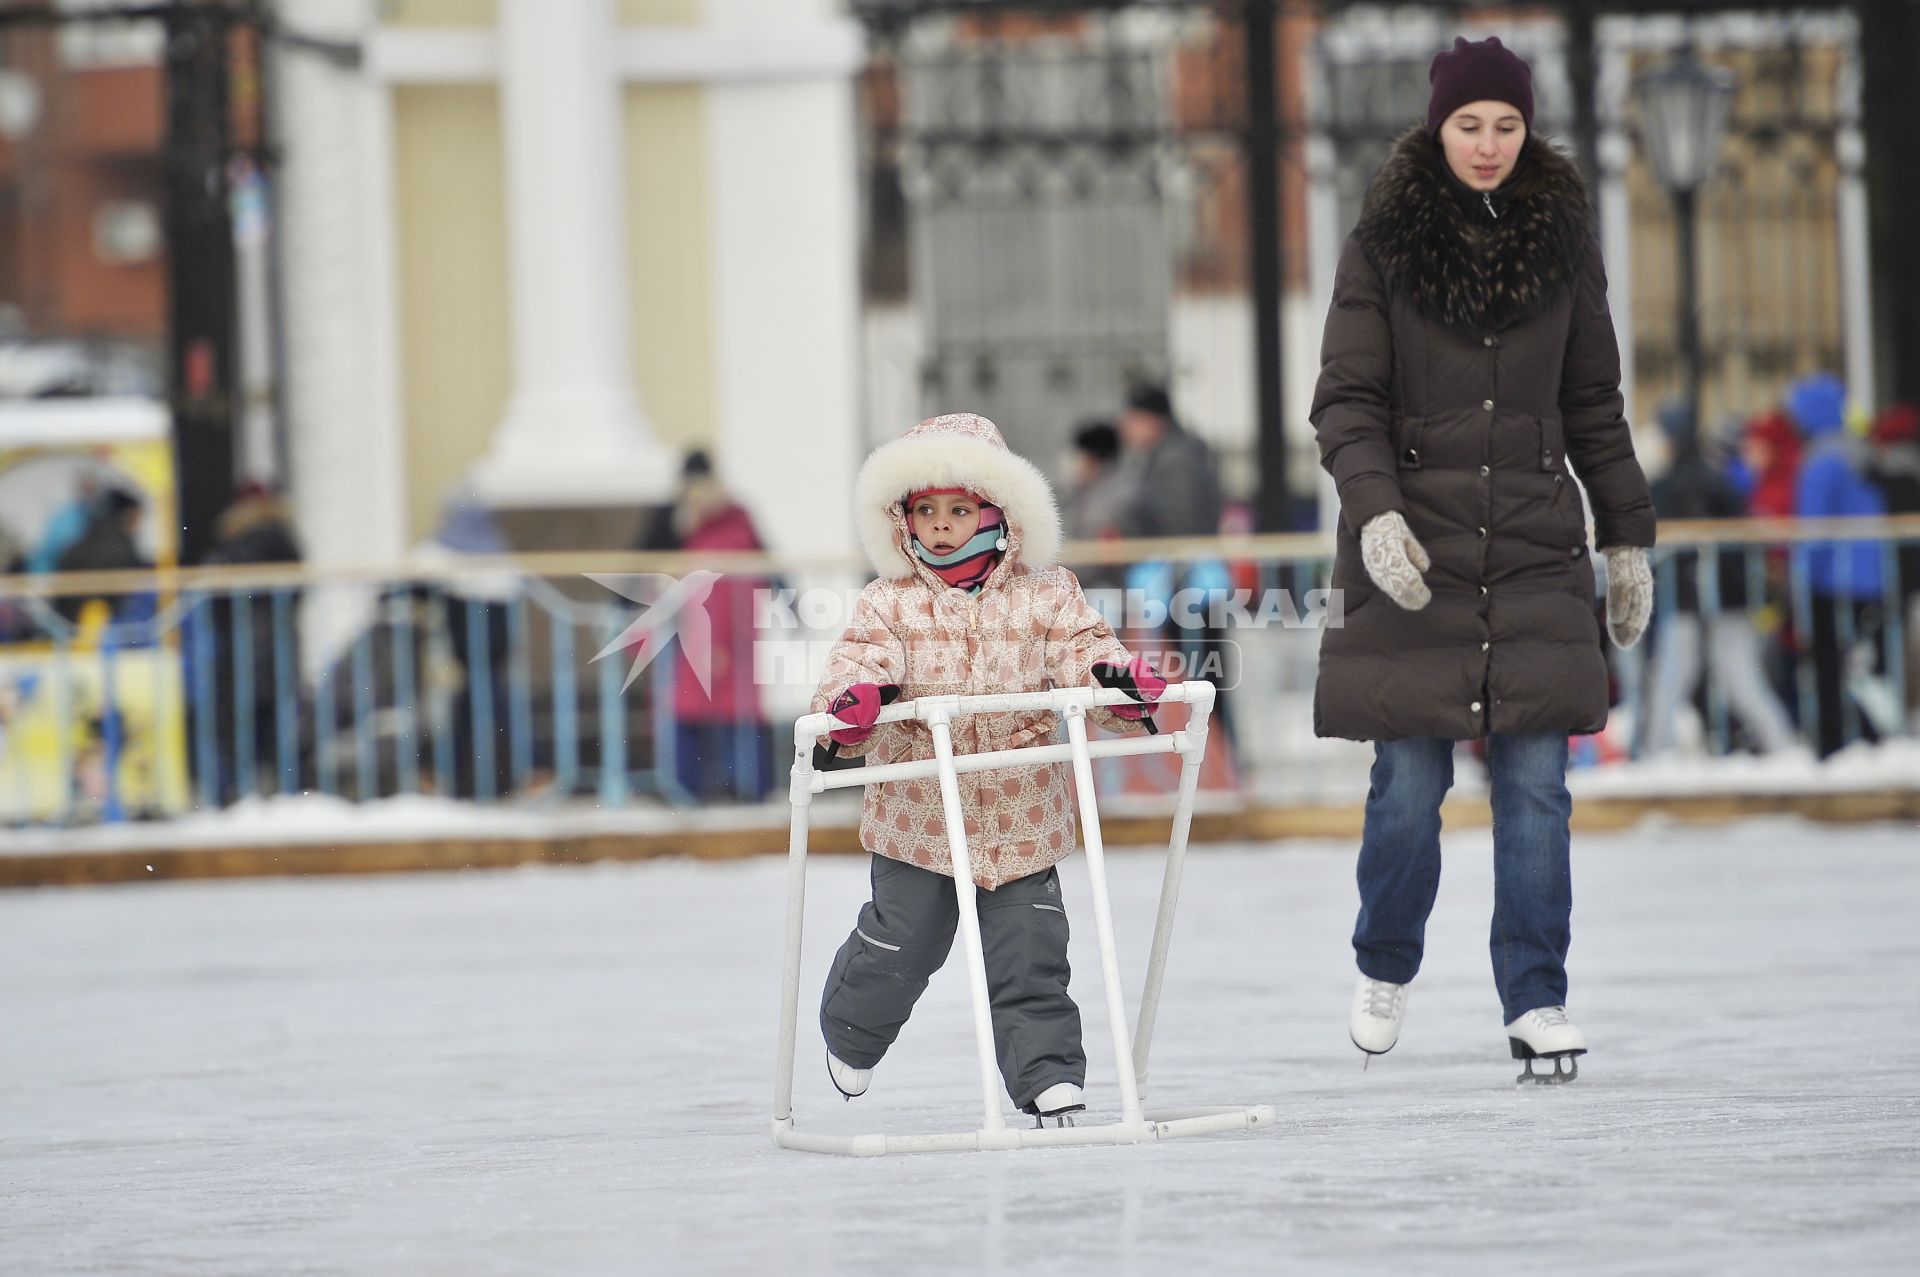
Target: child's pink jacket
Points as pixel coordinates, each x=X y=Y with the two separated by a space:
x=1028 y=628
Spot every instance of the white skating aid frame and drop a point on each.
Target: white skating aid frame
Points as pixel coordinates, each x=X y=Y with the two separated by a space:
x=1136 y=1125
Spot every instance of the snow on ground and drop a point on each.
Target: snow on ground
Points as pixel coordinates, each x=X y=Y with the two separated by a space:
x=324 y=818
x=321 y=818
x=569 y=1071
x=1893 y=764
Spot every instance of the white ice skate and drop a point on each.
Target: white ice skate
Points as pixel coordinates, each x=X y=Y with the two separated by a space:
x=1378 y=1008
x=1059 y=1102
x=1545 y=1033
x=847 y=1080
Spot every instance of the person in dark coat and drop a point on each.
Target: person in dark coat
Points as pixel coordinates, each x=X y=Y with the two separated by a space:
x=1095 y=506
x=1469 y=374
x=1172 y=489
x=1715 y=619
x=1895 y=469
x=249 y=716
x=110 y=543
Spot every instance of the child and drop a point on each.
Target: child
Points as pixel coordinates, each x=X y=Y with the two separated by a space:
x=963 y=534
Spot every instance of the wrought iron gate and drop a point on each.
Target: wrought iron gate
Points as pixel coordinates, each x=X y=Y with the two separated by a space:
x=1057 y=208
x=1058 y=201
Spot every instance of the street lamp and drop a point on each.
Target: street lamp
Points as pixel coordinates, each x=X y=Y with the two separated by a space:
x=1683 y=113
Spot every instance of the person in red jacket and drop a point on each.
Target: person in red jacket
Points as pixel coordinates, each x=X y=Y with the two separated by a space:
x=1770 y=454
x=721 y=745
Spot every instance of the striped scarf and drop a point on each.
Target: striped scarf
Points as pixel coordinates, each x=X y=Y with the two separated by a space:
x=968 y=567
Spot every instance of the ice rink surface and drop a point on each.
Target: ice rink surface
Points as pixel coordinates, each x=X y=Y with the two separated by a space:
x=569 y=1071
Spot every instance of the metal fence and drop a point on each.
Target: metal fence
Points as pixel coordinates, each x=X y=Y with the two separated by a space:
x=131 y=696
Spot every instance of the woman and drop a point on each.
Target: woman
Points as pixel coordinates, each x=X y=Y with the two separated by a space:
x=1469 y=361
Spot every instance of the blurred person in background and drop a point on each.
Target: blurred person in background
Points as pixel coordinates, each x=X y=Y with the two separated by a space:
x=1894 y=468
x=1693 y=489
x=1096 y=502
x=256 y=528
x=16 y=622
x=110 y=543
x=1468 y=373
x=68 y=524
x=1843 y=577
x=477 y=614
x=1767 y=466
x=723 y=743
x=1172 y=489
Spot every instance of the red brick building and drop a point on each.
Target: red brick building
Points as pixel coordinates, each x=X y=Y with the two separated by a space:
x=81 y=248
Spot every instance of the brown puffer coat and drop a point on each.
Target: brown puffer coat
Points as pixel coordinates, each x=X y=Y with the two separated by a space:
x=1468 y=372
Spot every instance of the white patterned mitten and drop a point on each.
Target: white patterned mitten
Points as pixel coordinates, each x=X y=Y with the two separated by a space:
x=1394 y=560
x=1629 y=593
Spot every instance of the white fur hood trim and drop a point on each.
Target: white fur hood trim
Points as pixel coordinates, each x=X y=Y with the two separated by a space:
x=959 y=450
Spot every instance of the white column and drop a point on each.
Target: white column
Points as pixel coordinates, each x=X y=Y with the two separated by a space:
x=1856 y=270
x=1616 y=209
x=573 y=433
x=786 y=284
x=349 y=458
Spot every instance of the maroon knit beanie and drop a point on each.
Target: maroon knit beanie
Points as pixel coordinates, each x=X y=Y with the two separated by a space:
x=1477 y=71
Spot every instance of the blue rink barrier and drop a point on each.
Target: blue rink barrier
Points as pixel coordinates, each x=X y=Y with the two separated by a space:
x=165 y=694
x=208 y=696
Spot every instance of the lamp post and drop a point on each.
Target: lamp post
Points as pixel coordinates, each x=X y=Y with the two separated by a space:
x=1683 y=114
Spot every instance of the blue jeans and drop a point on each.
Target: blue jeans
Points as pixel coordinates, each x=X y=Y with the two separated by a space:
x=1399 y=870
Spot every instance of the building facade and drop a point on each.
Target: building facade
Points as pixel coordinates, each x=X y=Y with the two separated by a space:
x=536 y=251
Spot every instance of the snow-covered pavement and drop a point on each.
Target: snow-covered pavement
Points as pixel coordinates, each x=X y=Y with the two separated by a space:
x=569 y=1071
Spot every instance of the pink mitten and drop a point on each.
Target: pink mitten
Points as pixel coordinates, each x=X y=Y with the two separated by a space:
x=859 y=705
x=1137 y=679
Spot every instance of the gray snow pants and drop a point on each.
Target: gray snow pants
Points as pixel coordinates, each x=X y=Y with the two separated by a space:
x=903 y=937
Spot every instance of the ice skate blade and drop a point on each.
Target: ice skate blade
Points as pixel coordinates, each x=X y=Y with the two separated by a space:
x=1558 y=1077
x=1062 y=1118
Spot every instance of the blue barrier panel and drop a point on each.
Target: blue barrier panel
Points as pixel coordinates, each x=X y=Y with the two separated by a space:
x=566 y=708
x=613 y=718
x=525 y=709
x=366 y=744
x=480 y=697
x=112 y=728
x=519 y=693
x=286 y=695
x=324 y=723
x=406 y=692
x=206 y=741
x=1707 y=591
x=241 y=627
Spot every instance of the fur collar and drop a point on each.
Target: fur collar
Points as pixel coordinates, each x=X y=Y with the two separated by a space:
x=1460 y=267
